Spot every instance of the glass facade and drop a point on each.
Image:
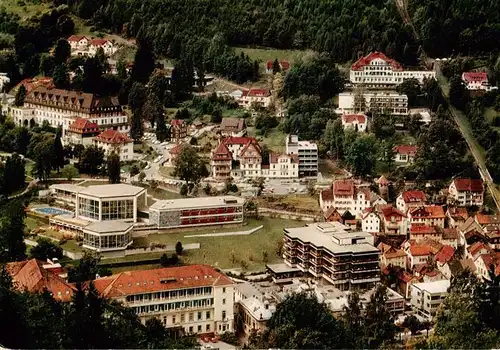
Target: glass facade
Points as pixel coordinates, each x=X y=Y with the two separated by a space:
x=88 y=208
x=118 y=209
x=99 y=242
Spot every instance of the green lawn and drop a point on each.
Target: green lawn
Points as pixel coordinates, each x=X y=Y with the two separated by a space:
x=229 y=251
x=267 y=54
x=29 y=8
x=275 y=139
x=88 y=183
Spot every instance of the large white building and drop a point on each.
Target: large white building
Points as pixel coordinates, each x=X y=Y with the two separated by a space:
x=62 y=107
x=344 y=196
x=426 y=297
x=376 y=70
x=195 y=299
x=389 y=102
x=466 y=192
x=84 y=46
x=307 y=152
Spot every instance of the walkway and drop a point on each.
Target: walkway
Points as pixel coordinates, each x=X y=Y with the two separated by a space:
x=222 y=234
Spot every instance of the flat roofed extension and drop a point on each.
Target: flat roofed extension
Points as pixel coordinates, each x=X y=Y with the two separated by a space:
x=194 y=203
x=114 y=190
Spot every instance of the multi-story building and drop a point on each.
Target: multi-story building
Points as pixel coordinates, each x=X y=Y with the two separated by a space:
x=81 y=132
x=195 y=299
x=201 y=211
x=476 y=80
x=284 y=166
x=429 y=215
x=391 y=256
x=348 y=260
x=394 y=221
x=253 y=308
x=251 y=160
x=466 y=192
x=178 y=130
x=233 y=127
x=426 y=297
x=358 y=122
x=255 y=97
x=389 y=102
x=84 y=46
x=307 y=152
x=345 y=196
x=404 y=153
x=117 y=142
x=221 y=162
x=410 y=199
x=376 y=70
x=370 y=222
x=61 y=108
x=420 y=232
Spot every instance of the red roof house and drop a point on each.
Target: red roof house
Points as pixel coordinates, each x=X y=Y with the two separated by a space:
x=475 y=77
x=83 y=126
x=364 y=61
x=114 y=137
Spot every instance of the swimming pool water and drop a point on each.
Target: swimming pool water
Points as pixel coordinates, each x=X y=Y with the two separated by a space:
x=52 y=211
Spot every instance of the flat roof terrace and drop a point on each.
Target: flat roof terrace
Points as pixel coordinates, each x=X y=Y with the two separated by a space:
x=113 y=190
x=199 y=202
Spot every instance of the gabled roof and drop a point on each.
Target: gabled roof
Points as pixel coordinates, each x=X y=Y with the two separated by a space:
x=420 y=250
x=428 y=212
x=177 y=149
x=99 y=42
x=29 y=275
x=477 y=247
x=389 y=210
x=176 y=122
x=364 y=61
x=470 y=77
x=471 y=185
x=284 y=65
x=274 y=157
x=239 y=140
x=233 y=123
x=83 y=125
x=113 y=137
x=445 y=254
x=483 y=219
x=155 y=280
x=450 y=233
x=422 y=230
x=458 y=213
x=413 y=196
x=258 y=93
x=326 y=195
x=332 y=211
x=222 y=153
x=77 y=38
x=352 y=118
x=343 y=188
x=382 y=180
x=405 y=149
x=248 y=146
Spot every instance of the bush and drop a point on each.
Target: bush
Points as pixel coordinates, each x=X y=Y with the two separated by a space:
x=230 y=338
x=184 y=190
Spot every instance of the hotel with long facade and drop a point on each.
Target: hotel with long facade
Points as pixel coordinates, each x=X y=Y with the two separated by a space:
x=376 y=70
x=195 y=299
x=389 y=102
x=201 y=211
x=62 y=107
x=348 y=260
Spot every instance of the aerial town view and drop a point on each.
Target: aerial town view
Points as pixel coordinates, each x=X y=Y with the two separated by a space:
x=187 y=174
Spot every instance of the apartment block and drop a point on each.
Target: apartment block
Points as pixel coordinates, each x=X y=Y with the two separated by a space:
x=426 y=297
x=389 y=102
x=195 y=299
x=307 y=152
x=348 y=260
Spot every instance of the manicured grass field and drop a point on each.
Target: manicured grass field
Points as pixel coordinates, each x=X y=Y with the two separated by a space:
x=229 y=251
x=267 y=54
x=275 y=139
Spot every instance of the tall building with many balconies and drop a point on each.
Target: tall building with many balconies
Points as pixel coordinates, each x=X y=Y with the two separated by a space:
x=307 y=152
x=194 y=299
x=348 y=260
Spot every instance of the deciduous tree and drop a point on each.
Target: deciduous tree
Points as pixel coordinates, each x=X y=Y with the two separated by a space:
x=113 y=168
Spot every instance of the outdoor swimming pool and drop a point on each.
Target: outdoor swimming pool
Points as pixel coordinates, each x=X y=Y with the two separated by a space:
x=52 y=211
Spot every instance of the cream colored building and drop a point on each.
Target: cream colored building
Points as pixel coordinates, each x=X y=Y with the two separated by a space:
x=113 y=141
x=195 y=298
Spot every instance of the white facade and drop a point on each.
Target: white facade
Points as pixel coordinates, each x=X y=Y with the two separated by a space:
x=427 y=297
x=307 y=152
x=83 y=46
x=355 y=204
x=358 y=122
x=4 y=79
x=124 y=150
x=370 y=223
x=466 y=192
x=382 y=102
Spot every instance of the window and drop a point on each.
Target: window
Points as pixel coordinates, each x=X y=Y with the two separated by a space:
x=208 y=328
x=173 y=319
x=223 y=289
x=199 y=316
x=224 y=301
x=191 y=329
x=207 y=315
x=224 y=314
x=199 y=328
x=182 y=318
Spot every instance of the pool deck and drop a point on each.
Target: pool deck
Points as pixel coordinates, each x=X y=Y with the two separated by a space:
x=53 y=210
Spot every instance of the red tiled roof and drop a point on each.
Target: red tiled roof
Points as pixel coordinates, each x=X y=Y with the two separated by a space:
x=428 y=212
x=239 y=140
x=176 y=149
x=83 y=125
x=155 y=280
x=98 y=42
x=343 y=188
x=247 y=146
x=364 y=61
x=472 y=185
x=327 y=195
x=422 y=230
x=405 y=149
x=470 y=77
x=477 y=247
x=406 y=276
x=222 y=153
x=420 y=250
x=113 y=136
x=458 y=212
x=351 y=118
x=259 y=93
x=450 y=233
x=331 y=212
x=76 y=38
x=445 y=254
x=413 y=196
x=389 y=211
x=32 y=83
x=30 y=275
x=382 y=180
x=285 y=65
x=176 y=122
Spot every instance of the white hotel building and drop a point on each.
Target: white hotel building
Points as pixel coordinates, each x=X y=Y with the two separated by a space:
x=376 y=70
x=62 y=107
x=194 y=299
x=389 y=102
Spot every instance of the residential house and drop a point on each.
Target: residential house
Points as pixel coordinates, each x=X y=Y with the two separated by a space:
x=420 y=252
x=233 y=127
x=394 y=221
x=332 y=214
x=405 y=281
x=376 y=70
x=36 y=276
x=470 y=231
x=114 y=141
x=78 y=42
x=450 y=237
x=253 y=307
x=430 y=215
x=81 y=132
x=281 y=166
x=178 y=130
x=427 y=297
x=410 y=199
x=106 y=45
x=466 y=192
x=419 y=232
x=358 y=122
x=284 y=66
x=221 y=162
x=391 y=256
x=236 y=145
x=456 y=216
x=477 y=249
x=443 y=258
x=307 y=152
x=251 y=160
x=345 y=196
x=172 y=154
x=84 y=46
x=404 y=153
x=475 y=80
x=370 y=222
x=488 y=222
x=485 y=262
x=255 y=97
x=195 y=299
